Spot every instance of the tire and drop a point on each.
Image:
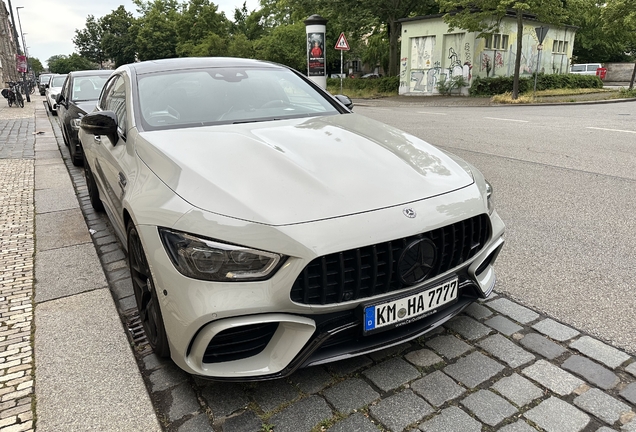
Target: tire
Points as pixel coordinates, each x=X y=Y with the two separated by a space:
x=65 y=138
x=146 y=295
x=19 y=101
x=91 y=186
x=10 y=102
x=49 y=106
x=76 y=158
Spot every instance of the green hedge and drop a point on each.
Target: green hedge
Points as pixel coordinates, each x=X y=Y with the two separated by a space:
x=381 y=85
x=500 y=85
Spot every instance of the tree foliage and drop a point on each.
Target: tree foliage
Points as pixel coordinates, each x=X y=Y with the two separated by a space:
x=157 y=34
x=119 y=36
x=88 y=40
x=63 y=64
x=35 y=65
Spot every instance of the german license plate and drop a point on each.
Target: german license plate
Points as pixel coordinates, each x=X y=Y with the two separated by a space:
x=394 y=312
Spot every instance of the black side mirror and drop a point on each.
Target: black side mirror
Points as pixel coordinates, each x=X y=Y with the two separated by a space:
x=345 y=101
x=46 y=86
x=60 y=99
x=101 y=123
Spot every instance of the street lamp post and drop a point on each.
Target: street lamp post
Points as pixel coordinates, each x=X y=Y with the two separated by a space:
x=24 y=74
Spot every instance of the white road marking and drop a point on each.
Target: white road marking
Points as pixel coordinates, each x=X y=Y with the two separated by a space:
x=612 y=130
x=427 y=112
x=512 y=120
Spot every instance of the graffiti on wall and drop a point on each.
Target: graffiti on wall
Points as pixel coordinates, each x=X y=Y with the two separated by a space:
x=403 y=82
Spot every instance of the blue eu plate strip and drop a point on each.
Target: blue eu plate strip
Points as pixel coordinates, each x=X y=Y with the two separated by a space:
x=369 y=318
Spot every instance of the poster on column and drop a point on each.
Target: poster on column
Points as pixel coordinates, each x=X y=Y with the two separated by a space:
x=316 y=54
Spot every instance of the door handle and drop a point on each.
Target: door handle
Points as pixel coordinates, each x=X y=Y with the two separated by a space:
x=97 y=139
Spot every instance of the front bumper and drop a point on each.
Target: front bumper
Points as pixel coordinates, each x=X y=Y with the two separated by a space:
x=203 y=318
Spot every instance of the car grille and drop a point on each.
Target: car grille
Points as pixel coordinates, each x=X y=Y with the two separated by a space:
x=239 y=343
x=371 y=270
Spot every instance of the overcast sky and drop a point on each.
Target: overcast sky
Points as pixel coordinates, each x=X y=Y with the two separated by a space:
x=49 y=25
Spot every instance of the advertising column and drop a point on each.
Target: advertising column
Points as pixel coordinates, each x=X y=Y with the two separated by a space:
x=315 y=27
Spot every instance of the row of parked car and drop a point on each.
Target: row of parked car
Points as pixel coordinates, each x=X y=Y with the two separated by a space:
x=71 y=96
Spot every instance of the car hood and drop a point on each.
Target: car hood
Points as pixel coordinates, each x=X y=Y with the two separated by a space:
x=293 y=171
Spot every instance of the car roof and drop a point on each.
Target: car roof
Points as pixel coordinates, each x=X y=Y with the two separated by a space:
x=151 y=66
x=103 y=72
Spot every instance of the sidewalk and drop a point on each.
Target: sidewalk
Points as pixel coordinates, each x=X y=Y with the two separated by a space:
x=87 y=377
x=498 y=366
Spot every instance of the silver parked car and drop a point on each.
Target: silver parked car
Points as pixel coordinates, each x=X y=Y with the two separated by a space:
x=269 y=228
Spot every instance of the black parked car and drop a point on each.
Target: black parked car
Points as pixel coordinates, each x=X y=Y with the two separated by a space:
x=43 y=82
x=79 y=95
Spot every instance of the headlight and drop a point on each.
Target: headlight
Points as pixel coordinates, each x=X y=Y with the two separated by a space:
x=490 y=198
x=75 y=123
x=206 y=259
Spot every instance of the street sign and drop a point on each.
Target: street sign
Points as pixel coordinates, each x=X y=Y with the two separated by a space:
x=21 y=62
x=342 y=43
x=541 y=33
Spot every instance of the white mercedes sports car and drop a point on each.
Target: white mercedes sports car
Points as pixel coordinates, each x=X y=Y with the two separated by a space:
x=269 y=228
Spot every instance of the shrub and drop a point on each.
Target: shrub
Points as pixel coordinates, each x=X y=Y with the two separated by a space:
x=501 y=85
x=380 y=85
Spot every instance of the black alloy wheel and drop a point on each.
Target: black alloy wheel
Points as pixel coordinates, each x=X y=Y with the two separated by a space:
x=91 y=186
x=146 y=295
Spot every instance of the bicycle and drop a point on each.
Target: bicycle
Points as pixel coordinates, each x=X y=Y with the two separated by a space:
x=13 y=94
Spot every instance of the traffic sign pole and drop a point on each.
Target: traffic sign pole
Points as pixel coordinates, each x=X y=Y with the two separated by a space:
x=342 y=45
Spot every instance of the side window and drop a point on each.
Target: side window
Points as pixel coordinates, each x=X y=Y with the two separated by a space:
x=65 y=88
x=108 y=88
x=114 y=99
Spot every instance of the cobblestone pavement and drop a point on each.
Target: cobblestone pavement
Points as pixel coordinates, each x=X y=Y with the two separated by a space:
x=498 y=366
x=16 y=266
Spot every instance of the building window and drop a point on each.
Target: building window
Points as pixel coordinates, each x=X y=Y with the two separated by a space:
x=559 y=47
x=497 y=41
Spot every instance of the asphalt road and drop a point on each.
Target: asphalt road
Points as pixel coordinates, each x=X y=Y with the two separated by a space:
x=565 y=184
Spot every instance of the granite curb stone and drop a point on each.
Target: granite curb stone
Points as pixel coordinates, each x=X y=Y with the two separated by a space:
x=600 y=352
x=400 y=410
x=591 y=371
x=601 y=405
x=555 y=415
x=552 y=377
x=488 y=407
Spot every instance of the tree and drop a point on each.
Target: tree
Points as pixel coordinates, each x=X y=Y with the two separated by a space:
x=249 y=24
x=157 y=34
x=88 y=41
x=282 y=46
x=621 y=15
x=119 y=36
x=484 y=16
x=201 y=30
x=376 y=51
x=63 y=64
x=35 y=65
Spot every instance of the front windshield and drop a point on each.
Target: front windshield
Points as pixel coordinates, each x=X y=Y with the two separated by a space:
x=87 y=88
x=189 y=98
x=58 y=81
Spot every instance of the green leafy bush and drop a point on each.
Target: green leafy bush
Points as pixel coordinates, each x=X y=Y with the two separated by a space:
x=500 y=85
x=380 y=85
